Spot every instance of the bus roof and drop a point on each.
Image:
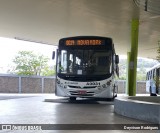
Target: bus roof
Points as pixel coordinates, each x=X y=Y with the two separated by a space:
x=155 y=66
x=85 y=37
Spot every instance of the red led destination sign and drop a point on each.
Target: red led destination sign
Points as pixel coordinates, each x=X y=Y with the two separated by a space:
x=83 y=42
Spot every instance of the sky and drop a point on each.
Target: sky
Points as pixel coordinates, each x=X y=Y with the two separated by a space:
x=10 y=47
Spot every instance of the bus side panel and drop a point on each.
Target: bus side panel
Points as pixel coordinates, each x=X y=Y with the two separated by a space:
x=150 y=84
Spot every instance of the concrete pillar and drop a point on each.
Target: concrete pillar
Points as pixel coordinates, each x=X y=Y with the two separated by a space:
x=132 y=71
x=127 y=76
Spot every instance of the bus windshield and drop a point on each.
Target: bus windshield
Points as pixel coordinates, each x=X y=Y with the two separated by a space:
x=84 y=62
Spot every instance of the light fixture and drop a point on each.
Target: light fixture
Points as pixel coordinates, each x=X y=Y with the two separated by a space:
x=152 y=6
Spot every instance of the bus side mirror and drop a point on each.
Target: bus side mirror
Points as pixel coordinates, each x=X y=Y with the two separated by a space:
x=116 y=59
x=53 y=55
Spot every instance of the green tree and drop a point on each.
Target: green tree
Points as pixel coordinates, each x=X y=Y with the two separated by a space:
x=28 y=63
x=48 y=71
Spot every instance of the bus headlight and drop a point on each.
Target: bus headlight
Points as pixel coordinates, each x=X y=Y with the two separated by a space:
x=99 y=87
x=58 y=81
x=65 y=86
x=109 y=82
x=61 y=85
x=104 y=86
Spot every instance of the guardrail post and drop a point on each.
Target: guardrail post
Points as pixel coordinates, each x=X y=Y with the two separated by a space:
x=42 y=82
x=20 y=85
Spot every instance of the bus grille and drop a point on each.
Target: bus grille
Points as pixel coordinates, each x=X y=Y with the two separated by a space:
x=85 y=87
x=77 y=93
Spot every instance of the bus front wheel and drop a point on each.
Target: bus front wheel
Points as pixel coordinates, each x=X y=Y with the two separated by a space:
x=72 y=98
x=150 y=91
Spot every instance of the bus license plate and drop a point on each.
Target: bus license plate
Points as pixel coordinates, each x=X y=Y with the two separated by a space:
x=82 y=92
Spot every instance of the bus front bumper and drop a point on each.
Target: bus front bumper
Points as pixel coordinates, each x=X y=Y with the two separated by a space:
x=85 y=93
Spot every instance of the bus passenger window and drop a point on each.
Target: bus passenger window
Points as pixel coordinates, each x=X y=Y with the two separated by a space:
x=70 y=64
x=158 y=72
x=150 y=74
x=147 y=77
x=153 y=74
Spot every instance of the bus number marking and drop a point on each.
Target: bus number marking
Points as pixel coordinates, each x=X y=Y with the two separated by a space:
x=93 y=83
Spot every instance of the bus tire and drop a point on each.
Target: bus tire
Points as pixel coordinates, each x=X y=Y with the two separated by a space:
x=112 y=99
x=72 y=98
x=114 y=91
x=157 y=91
x=150 y=91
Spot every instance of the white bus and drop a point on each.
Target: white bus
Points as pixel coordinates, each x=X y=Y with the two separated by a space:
x=153 y=80
x=86 y=67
